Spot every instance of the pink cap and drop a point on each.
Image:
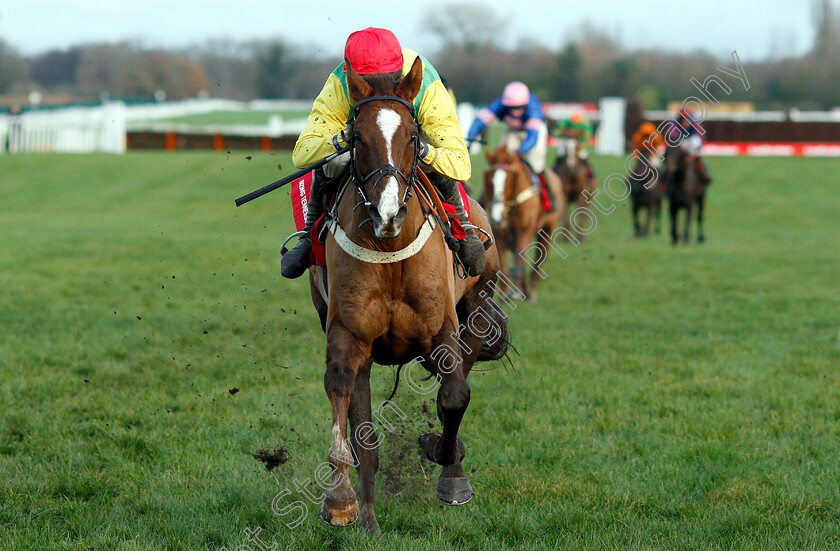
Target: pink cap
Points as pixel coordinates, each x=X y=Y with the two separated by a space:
x=516 y=94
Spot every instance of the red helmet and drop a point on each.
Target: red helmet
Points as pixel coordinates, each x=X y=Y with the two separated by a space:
x=373 y=50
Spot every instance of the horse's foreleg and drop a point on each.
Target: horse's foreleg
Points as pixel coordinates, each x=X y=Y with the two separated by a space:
x=365 y=446
x=346 y=356
x=453 y=397
x=700 y=202
x=503 y=245
x=536 y=264
x=658 y=219
x=517 y=273
x=687 y=226
x=523 y=239
x=674 y=212
x=636 y=220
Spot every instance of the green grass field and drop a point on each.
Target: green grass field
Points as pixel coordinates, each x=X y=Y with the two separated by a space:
x=663 y=398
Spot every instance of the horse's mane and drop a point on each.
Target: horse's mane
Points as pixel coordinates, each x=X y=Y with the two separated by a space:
x=383 y=81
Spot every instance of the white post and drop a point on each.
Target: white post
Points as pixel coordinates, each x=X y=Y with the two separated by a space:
x=275 y=126
x=4 y=133
x=113 y=134
x=610 y=134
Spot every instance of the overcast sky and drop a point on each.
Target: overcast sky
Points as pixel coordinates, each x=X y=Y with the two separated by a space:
x=753 y=28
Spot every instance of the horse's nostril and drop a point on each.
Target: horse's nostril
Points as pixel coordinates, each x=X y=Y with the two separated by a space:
x=374 y=214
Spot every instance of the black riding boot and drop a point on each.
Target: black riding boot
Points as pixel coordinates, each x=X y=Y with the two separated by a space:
x=471 y=251
x=295 y=262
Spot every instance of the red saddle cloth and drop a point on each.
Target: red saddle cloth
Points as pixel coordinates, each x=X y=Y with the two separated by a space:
x=546 y=202
x=300 y=191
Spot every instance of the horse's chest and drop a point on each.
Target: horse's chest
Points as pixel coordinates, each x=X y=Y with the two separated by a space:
x=398 y=325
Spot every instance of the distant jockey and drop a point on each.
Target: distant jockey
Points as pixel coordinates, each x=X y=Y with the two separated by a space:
x=579 y=128
x=647 y=133
x=526 y=130
x=649 y=143
x=691 y=142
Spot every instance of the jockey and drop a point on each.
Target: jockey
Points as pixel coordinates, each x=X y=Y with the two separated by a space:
x=526 y=131
x=580 y=128
x=692 y=143
x=444 y=155
x=648 y=134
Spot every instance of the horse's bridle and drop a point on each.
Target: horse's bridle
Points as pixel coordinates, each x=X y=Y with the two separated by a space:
x=388 y=169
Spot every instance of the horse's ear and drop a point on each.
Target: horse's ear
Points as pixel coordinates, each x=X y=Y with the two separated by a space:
x=357 y=87
x=410 y=84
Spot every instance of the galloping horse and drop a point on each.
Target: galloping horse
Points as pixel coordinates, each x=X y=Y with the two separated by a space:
x=645 y=192
x=684 y=190
x=575 y=179
x=517 y=214
x=389 y=293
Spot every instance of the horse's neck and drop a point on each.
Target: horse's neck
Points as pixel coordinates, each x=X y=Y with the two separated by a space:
x=519 y=178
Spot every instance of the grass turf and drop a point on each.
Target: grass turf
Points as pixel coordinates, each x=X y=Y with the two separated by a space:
x=664 y=398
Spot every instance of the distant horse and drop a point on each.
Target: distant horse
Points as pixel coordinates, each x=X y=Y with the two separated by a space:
x=575 y=180
x=646 y=193
x=517 y=214
x=389 y=293
x=685 y=189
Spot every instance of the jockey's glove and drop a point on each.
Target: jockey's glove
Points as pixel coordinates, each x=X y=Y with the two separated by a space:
x=428 y=153
x=342 y=138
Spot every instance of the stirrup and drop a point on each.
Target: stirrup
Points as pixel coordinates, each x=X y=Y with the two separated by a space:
x=487 y=244
x=283 y=249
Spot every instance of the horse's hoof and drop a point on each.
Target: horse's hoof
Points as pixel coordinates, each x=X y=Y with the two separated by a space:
x=454 y=491
x=342 y=513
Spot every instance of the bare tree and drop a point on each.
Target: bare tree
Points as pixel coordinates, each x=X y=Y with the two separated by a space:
x=466 y=26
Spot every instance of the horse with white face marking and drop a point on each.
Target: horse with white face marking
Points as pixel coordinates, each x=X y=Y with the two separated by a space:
x=517 y=214
x=389 y=294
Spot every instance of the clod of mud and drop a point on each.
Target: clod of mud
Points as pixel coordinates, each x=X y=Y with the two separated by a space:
x=273 y=458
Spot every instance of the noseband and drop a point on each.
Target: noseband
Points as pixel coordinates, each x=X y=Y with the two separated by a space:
x=388 y=169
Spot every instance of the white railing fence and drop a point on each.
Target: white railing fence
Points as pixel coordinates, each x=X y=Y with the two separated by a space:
x=103 y=128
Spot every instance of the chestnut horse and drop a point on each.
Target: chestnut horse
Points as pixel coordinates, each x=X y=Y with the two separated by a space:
x=684 y=191
x=517 y=214
x=645 y=192
x=575 y=181
x=390 y=293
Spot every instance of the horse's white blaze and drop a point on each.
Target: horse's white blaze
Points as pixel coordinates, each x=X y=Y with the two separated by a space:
x=389 y=201
x=497 y=208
